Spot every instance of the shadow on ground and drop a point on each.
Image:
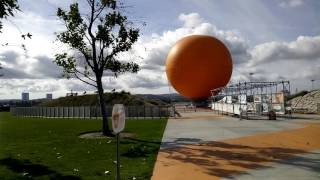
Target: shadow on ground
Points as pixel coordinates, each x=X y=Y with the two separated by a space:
x=30 y=169
x=228 y=160
x=178 y=142
x=137 y=150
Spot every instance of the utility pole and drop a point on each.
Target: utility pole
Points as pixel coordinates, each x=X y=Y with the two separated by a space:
x=312 y=81
x=250 y=76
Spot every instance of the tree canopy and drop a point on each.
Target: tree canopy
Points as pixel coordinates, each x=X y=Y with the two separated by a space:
x=7 y=8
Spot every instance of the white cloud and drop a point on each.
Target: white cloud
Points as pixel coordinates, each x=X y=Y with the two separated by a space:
x=16 y=64
x=35 y=72
x=12 y=88
x=304 y=48
x=191 y=20
x=297 y=61
x=158 y=47
x=291 y=3
x=146 y=79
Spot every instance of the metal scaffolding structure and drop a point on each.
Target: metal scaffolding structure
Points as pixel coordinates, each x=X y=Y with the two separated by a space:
x=252 y=99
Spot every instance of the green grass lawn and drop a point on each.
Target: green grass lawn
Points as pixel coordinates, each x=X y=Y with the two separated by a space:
x=37 y=148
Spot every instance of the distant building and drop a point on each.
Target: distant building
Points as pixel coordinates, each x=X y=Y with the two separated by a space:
x=49 y=96
x=25 y=96
x=72 y=94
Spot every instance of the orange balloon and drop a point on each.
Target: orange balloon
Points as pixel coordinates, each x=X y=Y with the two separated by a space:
x=197 y=64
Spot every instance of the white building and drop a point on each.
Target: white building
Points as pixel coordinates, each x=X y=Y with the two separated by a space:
x=25 y=96
x=49 y=96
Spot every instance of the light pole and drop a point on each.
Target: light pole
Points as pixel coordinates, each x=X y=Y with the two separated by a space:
x=250 y=76
x=312 y=81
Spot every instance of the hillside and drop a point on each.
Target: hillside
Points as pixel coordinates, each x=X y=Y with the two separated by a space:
x=309 y=101
x=168 y=98
x=110 y=99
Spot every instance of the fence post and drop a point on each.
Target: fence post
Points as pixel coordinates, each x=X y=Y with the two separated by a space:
x=136 y=113
x=151 y=111
x=96 y=112
x=84 y=112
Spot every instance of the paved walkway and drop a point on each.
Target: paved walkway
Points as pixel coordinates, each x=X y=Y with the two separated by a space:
x=203 y=145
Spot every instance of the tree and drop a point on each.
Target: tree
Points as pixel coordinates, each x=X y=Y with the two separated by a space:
x=96 y=40
x=7 y=7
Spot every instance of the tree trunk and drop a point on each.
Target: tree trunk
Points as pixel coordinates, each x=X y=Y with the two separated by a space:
x=105 y=126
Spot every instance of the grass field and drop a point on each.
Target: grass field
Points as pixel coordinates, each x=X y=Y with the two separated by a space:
x=36 y=148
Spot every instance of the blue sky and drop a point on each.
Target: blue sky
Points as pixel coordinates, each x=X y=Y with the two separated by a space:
x=274 y=39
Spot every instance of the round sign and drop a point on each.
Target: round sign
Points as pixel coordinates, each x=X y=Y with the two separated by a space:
x=118 y=118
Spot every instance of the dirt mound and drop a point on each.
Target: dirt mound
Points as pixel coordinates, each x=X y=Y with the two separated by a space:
x=308 y=103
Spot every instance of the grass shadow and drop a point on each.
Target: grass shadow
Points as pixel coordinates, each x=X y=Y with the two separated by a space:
x=140 y=148
x=33 y=170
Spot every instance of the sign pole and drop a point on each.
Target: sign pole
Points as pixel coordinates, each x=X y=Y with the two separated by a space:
x=118 y=159
x=118 y=123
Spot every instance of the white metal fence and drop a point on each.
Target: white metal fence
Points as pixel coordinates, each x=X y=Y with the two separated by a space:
x=91 y=112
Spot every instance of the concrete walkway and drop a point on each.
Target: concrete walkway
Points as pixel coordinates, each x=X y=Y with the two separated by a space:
x=198 y=146
x=303 y=166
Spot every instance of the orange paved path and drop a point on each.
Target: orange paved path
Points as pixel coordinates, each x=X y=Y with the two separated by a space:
x=235 y=156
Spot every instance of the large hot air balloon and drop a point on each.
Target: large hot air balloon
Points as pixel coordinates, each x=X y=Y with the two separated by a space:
x=197 y=64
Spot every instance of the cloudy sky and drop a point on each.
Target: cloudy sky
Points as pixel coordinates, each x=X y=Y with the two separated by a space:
x=273 y=39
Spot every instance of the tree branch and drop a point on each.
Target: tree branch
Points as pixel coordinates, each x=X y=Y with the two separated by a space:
x=99 y=11
x=87 y=58
x=93 y=43
x=83 y=74
x=75 y=74
x=85 y=35
x=101 y=54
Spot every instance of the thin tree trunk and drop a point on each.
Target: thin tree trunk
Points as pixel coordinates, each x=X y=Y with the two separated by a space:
x=105 y=126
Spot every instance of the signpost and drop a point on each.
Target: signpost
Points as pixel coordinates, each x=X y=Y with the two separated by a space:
x=118 y=123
